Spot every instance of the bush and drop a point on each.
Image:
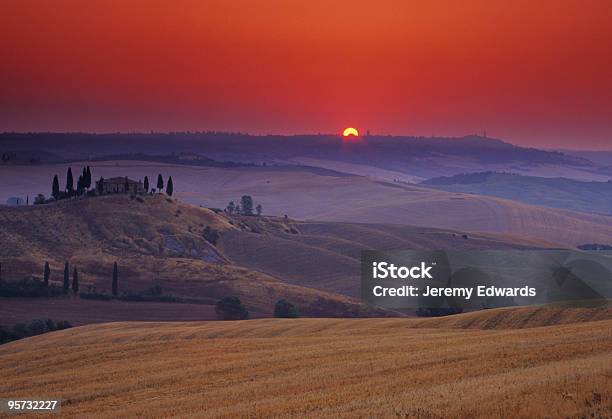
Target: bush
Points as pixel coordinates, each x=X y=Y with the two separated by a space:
x=40 y=199
x=5 y=335
x=29 y=288
x=155 y=291
x=35 y=327
x=231 y=308
x=284 y=309
x=51 y=324
x=63 y=325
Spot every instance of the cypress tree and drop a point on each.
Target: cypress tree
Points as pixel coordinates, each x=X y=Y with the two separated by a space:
x=80 y=185
x=169 y=187
x=115 y=280
x=88 y=178
x=55 y=190
x=46 y=274
x=160 y=182
x=69 y=182
x=75 y=281
x=146 y=184
x=66 y=277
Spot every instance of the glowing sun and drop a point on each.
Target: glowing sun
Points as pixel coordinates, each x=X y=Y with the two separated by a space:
x=350 y=131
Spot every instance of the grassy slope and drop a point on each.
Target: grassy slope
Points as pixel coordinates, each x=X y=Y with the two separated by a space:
x=327 y=255
x=563 y=193
x=157 y=241
x=319 y=367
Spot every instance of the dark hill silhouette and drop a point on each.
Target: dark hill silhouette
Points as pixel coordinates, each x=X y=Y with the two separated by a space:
x=419 y=156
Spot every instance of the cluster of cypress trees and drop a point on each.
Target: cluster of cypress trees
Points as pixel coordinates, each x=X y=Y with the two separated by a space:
x=83 y=184
x=160 y=185
x=75 y=278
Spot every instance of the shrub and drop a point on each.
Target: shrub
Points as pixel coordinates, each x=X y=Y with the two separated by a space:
x=63 y=325
x=35 y=327
x=284 y=309
x=29 y=288
x=155 y=291
x=40 y=199
x=20 y=330
x=51 y=324
x=231 y=308
x=5 y=335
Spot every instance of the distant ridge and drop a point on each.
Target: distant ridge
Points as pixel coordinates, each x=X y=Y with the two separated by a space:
x=420 y=156
x=558 y=192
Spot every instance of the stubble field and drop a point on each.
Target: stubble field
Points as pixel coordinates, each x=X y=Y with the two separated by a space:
x=317 y=367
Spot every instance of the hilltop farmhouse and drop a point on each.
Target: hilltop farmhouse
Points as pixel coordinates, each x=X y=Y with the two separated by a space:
x=120 y=185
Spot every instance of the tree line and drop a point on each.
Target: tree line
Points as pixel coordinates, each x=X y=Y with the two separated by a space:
x=82 y=186
x=228 y=308
x=35 y=327
x=31 y=287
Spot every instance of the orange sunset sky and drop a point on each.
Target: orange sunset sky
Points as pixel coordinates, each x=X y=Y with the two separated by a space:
x=535 y=73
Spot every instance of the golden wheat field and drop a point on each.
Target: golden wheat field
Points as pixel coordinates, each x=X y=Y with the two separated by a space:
x=425 y=368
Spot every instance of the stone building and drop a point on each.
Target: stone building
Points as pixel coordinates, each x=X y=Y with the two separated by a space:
x=120 y=185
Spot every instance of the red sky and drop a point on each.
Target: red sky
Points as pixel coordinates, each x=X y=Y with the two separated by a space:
x=536 y=73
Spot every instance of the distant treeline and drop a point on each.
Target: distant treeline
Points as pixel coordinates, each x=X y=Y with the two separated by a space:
x=391 y=151
x=594 y=246
x=463 y=178
x=180 y=158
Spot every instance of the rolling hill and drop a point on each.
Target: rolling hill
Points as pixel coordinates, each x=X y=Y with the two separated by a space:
x=595 y=197
x=320 y=367
x=324 y=195
x=327 y=255
x=157 y=242
x=161 y=242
